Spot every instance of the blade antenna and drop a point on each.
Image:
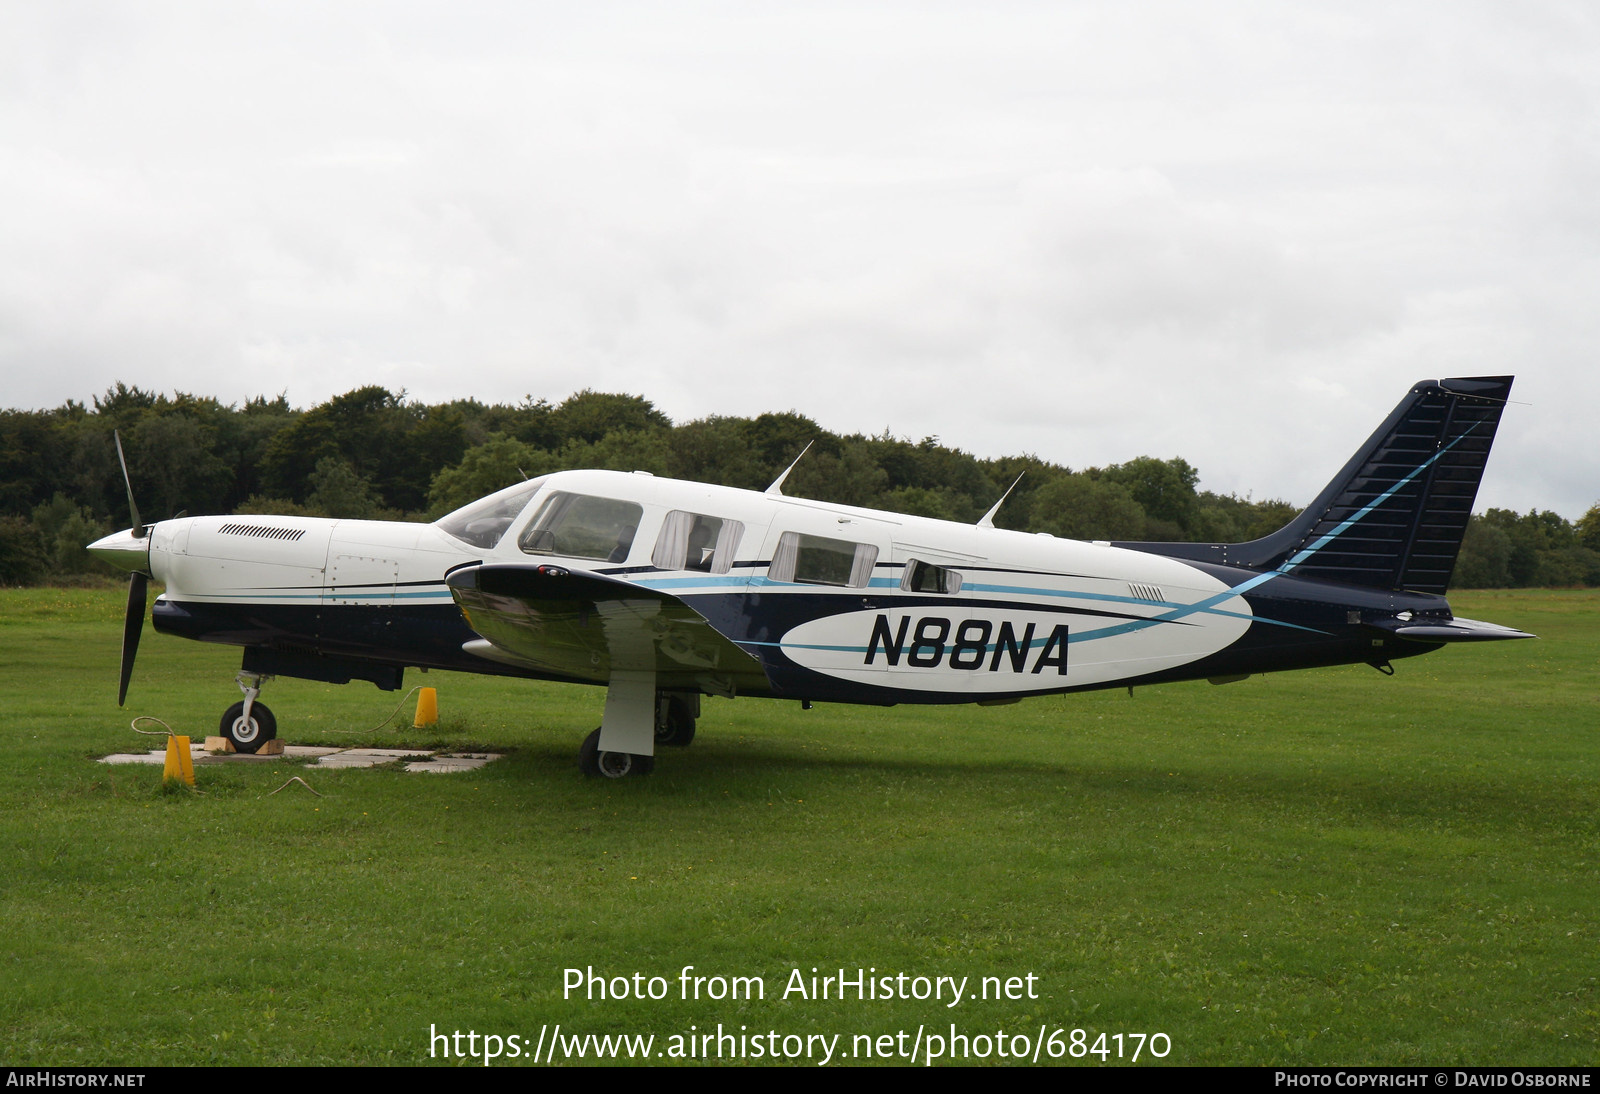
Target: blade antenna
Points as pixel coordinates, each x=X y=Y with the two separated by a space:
x=777 y=483
x=987 y=520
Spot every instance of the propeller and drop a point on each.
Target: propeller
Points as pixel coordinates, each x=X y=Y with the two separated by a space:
x=133 y=509
x=138 y=587
x=132 y=627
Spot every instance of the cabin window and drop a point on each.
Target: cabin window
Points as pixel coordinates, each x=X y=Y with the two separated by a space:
x=580 y=526
x=484 y=521
x=815 y=560
x=925 y=577
x=694 y=541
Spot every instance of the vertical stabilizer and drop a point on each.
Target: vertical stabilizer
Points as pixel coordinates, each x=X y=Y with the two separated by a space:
x=1395 y=515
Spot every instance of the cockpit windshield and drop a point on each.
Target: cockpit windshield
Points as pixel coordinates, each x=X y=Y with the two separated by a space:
x=483 y=522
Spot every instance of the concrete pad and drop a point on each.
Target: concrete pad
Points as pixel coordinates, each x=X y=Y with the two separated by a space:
x=447 y=762
x=369 y=757
x=322 y=756
x=137 y=758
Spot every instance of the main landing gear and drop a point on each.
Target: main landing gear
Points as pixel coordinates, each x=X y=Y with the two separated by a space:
x=593 y=761
x=675 y=714
x=248 y=724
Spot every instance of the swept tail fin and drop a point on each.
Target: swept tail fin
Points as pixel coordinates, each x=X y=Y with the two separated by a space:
x=1394 y=516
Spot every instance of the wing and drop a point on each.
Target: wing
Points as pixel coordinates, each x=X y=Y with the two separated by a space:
x=583 y=626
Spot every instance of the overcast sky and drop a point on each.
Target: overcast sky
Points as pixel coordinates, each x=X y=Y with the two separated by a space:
x=1231 y=232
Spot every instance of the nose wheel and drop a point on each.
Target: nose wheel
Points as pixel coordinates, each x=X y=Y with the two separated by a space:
x=248 y=724
x=248 y=733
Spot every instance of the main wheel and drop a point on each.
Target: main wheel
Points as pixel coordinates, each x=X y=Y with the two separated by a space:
x=676 y=727
x=248 y=737
x=612 y=765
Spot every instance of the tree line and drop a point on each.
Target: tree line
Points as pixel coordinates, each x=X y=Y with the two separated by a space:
x=373 y=453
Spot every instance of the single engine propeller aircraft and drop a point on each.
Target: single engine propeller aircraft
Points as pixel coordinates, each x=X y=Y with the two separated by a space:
x=662 y=591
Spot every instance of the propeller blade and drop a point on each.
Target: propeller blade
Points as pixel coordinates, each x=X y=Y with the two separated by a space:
x=132 y=626
x=133 y=510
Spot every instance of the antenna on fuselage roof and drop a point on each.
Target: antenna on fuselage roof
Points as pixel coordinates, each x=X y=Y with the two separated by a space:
x=777 y=483
x=987 y=520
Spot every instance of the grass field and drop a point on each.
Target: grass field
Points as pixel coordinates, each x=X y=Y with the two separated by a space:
x=1326 y=867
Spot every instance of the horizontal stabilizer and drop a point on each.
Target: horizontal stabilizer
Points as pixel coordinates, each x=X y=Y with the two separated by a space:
x=1456 y=630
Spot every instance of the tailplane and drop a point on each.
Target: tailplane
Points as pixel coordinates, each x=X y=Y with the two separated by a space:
x=1394 y=517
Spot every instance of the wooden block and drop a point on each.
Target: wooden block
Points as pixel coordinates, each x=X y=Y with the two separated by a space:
x=219 y=744
x=273 y=747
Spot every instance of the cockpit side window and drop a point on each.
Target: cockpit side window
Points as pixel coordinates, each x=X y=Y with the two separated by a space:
x=817 y=560
x=582 y=526
x=925 y=577
x=484 y=521
x=694 y=541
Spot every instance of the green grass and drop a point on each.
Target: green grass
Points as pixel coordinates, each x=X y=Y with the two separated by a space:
x=1313 y=868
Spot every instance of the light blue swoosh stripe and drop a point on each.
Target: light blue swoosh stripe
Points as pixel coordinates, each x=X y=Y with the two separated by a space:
x=1209 y=605
x=1288 y=565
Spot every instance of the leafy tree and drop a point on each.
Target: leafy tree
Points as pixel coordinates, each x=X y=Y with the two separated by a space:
x=372 y=452
x=1568 y=568
x=1588 y=528
x=65 y=530
x=919 y=501
x=256 y=505
x=718 y=450
x=637 y=450
x=174 y=465
x=499 y=462
x=1530 y=536
x=1484 y=561
x=528 y=422
x=592 y=415
x=1166 y=491
x=1226 y=518
x=1017 y=512
x=93 y=476
x=847 y=476
x=397 y=447
x=123 y=406
x=1082 y=507
x=21 y=558
x=339 y=490
x=245 y=441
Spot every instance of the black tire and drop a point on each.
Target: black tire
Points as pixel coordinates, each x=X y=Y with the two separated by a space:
x=248 y=737
x=677 y=728
x=611 y=765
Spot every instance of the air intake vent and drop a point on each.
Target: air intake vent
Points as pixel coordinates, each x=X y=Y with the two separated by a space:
x=1147 y=592
x=262 y=531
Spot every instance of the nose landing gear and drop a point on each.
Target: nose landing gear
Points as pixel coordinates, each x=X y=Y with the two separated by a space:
x=249 y=724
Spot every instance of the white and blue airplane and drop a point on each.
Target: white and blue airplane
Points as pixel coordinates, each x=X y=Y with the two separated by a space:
x=662 y=591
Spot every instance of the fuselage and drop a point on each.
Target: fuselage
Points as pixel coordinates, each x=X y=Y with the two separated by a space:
x=829 y=602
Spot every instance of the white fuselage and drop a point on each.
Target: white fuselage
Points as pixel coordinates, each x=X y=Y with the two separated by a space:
x=1029 y=613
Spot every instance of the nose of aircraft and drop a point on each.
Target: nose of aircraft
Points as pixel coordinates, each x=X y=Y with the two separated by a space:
x=124 y=551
